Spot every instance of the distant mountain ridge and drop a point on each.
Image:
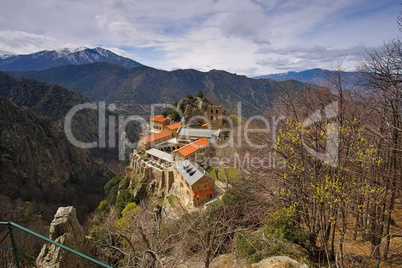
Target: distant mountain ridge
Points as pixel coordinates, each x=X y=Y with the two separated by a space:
x=135 y=89
x=313 y=76
x=52 y=58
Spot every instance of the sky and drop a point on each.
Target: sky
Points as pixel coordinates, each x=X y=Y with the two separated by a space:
x=248 y=37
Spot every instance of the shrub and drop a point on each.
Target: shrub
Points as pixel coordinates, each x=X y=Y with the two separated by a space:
x=200 y=94
x=111 y=189
x=102 y=206
x=172 y=113
x=254 y=246
x=128 y=213
x=249 y=246
x=123 y=199
x=231 y=197
x=282 y=224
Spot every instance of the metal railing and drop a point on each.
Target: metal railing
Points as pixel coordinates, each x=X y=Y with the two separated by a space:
x=10 y=233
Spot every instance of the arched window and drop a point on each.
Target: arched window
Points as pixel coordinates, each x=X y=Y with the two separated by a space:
x=212 y=111
x=216 y=111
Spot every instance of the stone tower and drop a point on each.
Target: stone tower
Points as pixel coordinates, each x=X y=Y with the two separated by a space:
x=214 y=115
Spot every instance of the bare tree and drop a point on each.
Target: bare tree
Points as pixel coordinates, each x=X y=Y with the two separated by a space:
x=383 y=79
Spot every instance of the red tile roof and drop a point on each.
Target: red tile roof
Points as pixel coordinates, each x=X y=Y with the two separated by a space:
x=192 y=147
x=159 y=118
x=203 y=192
x=174 y=126
x=157 y=136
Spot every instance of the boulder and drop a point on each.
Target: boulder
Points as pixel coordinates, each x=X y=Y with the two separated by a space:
x=279 y=262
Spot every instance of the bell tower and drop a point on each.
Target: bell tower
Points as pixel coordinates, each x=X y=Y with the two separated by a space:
x=214 y=115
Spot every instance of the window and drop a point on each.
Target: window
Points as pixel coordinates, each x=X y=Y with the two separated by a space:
x=210 y=196
x=216 y=111
x=212 y=111
x=216 y=118
x=212 y=118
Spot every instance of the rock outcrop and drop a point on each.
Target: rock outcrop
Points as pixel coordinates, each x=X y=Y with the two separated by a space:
x=230 y=261
x=192 y=108
x=279 y=262
x=66 y=230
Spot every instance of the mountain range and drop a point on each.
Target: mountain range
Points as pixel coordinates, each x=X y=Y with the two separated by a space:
x=51 y=58
x=313 y=76
x=134 y=87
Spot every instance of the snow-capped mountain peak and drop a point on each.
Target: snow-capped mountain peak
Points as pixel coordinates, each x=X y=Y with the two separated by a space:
x=5 y=54
x=69 y=50
x=65 y=56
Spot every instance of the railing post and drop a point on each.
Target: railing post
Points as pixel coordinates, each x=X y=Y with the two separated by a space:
x=15 y=250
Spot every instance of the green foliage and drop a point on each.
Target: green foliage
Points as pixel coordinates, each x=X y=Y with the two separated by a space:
x=123 y=199
x=230 y=172
x=213 y=211
x=231 y=197
x=95 y=230
x=124 y=184
x=170 y=200
x=228 y=201
x=254 y=247
x=189 y=96
x=112 y=188
x=172 y=113
x=103 y=206
x=128 y=213
x=200 y=94
x=282 y=224
x=114 y=197
x=249 y=246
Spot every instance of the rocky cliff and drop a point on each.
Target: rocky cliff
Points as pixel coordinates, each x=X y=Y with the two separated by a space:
x=38 y=164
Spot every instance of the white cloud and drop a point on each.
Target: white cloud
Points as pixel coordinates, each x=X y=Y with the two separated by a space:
x=250 y=25
x=244 y=36
x=118 y=51
x=24 y=43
